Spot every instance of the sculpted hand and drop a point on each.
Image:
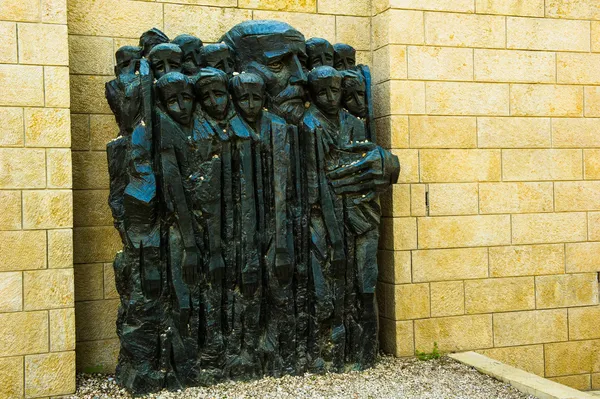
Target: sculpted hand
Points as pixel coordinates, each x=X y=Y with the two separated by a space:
x=363 y=175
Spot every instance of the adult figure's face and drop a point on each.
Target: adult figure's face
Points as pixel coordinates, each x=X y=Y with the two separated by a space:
x=218 y=56
x=327 y=95
x=354 y=100
x=319 y=53
x=249 y=99
x=214 y=99
x=178 y=100
x=165 y=58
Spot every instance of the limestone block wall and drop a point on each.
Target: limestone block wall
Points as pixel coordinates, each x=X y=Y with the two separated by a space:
x=492 y=239
x=37 y=323
x=96 y=30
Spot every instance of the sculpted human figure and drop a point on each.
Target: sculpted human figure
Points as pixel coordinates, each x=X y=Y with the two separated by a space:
x=218 y=56
x=191 y=47
x=165 y=58
x=151 y=38
x=319 y=53
x=344 y=57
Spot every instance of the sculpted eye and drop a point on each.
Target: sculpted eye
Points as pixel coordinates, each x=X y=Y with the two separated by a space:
x=275 y=66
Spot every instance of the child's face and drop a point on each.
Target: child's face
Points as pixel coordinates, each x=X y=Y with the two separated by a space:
x=354 y=100
x=178 y=99
x=219 y=59
x=327 y=95
x=214 y=99
x=164 y=61
x=249 y=99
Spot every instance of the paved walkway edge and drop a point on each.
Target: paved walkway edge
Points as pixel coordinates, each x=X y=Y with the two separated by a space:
x=525 y=382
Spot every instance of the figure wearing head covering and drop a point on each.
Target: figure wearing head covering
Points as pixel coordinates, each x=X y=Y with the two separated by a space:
x=165 y=58
x=344 y=57
x=319 y=53
x=212 y=94
x=218 y=56
x=191 y=47
x=151 y=38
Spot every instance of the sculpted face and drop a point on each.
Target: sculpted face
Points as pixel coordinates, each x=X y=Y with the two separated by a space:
x=214 y=98
x=319 y=53
x=344 y=57
x=177 y=97
x=191 y=47
x=248 y=94
x=127 y=60
x=326 y=89
x=218 y=56
x=276 y=52
x=165 y=58
x=354 y=95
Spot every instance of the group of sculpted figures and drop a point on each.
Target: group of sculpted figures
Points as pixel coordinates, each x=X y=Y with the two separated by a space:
x=245 y=186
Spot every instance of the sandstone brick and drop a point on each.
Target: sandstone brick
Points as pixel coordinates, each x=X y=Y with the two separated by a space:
x=96 y=244
x=594 y=226
x=87 y=94
x=385 y=300
x=47 y=127
x=355 y=31
x=59 y=168
x=591 y=164
x=566 y=290
x=529 y=358
x=90 y=170
x=529 y=8
x=50 y=374
x=113 y=17
x=54 y=11
x=389 y=62
x=460 y=165
x=23 y=332
x=513 y=132
x=409 y=159
x=89 y=282
x=22 y=250
x=22 y=85
x=91 y=55
x=20 y=10
x=463 y=30
x=465 y=98
x=530 y=327
x=499 y=295
x=394 y=266
x=576 y=196
x=560 y=359
x=392 y=131
x=453 y=199
x=110 y=288
x=48 y=289
x=56 y=86
x=358 y=7
x=514 y=66
x=523 y=165
x=463 y=231
x=440 y=63
x=103 y=128
x=60 y=249
x=398 y=233
x=575 y=9
x=581 y=382
x=459 y=333
x=527 y=260
x=447 y=298
x=220 y=3
x=398 y=27
x=10 y=218
x=80 y=132
x=449 y=264
x=183 y=19
x=575 y=132
x=546 y=100
x=538 y=228
x=292 y=5
x=592 y=101
x=8 y=47
x=98 y=356
x=62 y=330
x=11 y=375
x=101 y=316
x=418 y=193
x=435 y=5
x=583 y=323
x=311 y=25
x=364 y=57
x=396 y=337
x=11 y=131
x=91 y=208
x=547 y=34
x=399 y=97
x=411 y=301
x=47 y=209
x=595 y=381
x=43 y=44
x=443 y=132
x=396 y=201
x=577 y=68
x=515 y=197
x=583 y=257
x=11 y=286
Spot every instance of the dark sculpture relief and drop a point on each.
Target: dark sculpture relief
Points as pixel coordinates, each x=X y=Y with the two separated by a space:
x=245 y=186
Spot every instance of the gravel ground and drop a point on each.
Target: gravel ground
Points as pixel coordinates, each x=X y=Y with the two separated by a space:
x=390 y=378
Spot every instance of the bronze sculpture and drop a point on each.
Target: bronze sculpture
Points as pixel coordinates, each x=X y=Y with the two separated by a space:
x=244 y=184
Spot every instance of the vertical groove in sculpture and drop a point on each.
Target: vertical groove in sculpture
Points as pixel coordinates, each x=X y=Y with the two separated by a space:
x=245 y=186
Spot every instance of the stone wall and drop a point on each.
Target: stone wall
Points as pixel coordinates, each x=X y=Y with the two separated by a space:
x=96 y=30
x=492 y=239
x=37 y=323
